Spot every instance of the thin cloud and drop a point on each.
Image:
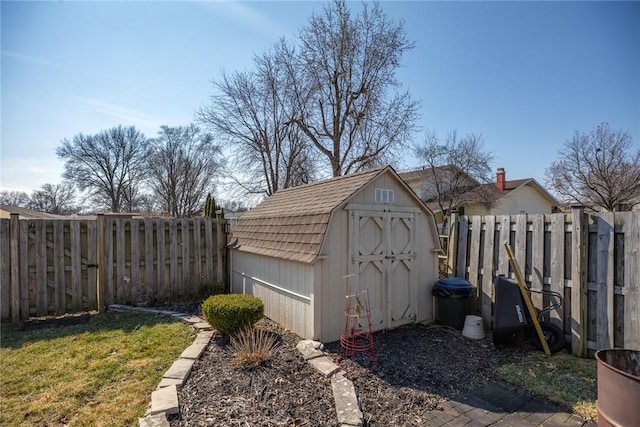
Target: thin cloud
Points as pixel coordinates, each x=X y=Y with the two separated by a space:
x=243 y=13
x=29 y=59
x=129 y=115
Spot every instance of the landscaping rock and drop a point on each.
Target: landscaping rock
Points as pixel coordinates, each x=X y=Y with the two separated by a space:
x=165 y=400
x=156 y=420
x=347 y=407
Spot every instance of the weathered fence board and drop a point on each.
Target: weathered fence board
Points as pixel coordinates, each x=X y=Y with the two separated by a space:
x=5 y=272
x=592 y=260
x=53 y=267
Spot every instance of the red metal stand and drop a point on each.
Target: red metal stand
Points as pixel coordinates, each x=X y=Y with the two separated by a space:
x=357 y=338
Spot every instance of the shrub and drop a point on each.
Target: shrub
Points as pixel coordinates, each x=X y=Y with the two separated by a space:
x=210 y=288
x=230 y=313
x=251 y=347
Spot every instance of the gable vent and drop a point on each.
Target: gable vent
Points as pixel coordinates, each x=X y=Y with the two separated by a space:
x=384 y=195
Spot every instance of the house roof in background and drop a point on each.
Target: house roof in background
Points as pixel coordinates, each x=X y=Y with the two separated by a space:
x=291 y=223
x=513 y=185
x=25 y=213
x=424 y=172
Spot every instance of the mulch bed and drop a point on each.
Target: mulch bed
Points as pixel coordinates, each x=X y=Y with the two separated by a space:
x=419 y=367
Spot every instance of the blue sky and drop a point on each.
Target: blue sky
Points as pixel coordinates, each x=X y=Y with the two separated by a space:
x=525 y=75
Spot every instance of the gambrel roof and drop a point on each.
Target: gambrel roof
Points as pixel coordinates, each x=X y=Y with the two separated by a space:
x=292 y=223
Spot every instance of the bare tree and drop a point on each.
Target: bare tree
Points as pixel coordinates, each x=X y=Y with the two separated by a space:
x=599 y=168
x=346 y=95
x=456 y=168
x=184 y=164
x=54 y=198
x=14 y=198
x=251 y=111
x=111 y=165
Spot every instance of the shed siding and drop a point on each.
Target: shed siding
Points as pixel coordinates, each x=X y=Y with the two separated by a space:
x=334 y=284
x=285 y=287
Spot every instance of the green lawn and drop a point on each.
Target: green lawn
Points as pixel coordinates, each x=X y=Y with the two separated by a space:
x=100 y=373
x=563 y=379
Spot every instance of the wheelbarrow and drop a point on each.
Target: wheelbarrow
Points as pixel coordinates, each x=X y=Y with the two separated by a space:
x=511 y=316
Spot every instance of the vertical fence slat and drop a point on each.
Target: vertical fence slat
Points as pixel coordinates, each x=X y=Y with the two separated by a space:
x=149 y=265
x=5 y=269
x=537 y=258
x=520 y=242
x=220 y=248
x=25 y=282
x=488 y=269
x=120 y=281
x=101 y=269
x=173 y=258
x=134 y=269
x=631 y=288
x=604 y=277
x=92 y=261
x=16 y=289
x=578 y=286
x=505 y=236
x=209 y=250
x=108 y=270
x=41 y=268
x=161 y=262
x=452 y=243
x=474 y=252
x=557 y=264
x=461 y=257
x=197 y=251
x=59 y=270
x=187 y=284
x=76 y=265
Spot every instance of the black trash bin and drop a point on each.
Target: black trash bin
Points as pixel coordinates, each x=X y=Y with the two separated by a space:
x=452 y=295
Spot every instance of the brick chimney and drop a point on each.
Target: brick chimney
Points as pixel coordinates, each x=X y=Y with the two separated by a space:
x=500 y=178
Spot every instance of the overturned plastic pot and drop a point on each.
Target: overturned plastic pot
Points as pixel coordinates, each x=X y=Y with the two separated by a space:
x=618 y=387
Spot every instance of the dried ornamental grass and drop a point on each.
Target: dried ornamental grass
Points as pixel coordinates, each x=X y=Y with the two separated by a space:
x=251 y=347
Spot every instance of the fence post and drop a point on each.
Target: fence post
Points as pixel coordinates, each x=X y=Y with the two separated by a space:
x=219 y=244
x=14 y=231
x=452 y=248
x=100 y=261
x=579 y=228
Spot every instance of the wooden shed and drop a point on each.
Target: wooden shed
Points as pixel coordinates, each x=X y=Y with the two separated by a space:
x=305 y=248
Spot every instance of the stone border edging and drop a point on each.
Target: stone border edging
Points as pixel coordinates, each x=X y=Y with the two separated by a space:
x=164 y=400
x=344 y=393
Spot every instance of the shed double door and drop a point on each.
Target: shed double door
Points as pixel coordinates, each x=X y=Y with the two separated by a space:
x=382 y=257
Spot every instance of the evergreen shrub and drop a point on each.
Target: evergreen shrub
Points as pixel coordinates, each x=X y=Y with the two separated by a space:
x=230 y=313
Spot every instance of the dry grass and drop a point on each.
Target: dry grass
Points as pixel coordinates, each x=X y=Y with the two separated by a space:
x=563 y=379
x=251 y=347
x=100 y=373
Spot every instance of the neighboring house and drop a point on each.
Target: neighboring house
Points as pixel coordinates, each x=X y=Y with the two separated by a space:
x=304 y=249
x=514 y=197
x=503 y=197
x=422 y=180
x=24 y=213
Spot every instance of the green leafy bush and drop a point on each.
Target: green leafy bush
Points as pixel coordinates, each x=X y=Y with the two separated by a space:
x=211 y=288
x=230 y=313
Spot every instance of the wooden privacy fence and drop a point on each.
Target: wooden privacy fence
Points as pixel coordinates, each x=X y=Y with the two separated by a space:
x=53 y=267
x=593 y=260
